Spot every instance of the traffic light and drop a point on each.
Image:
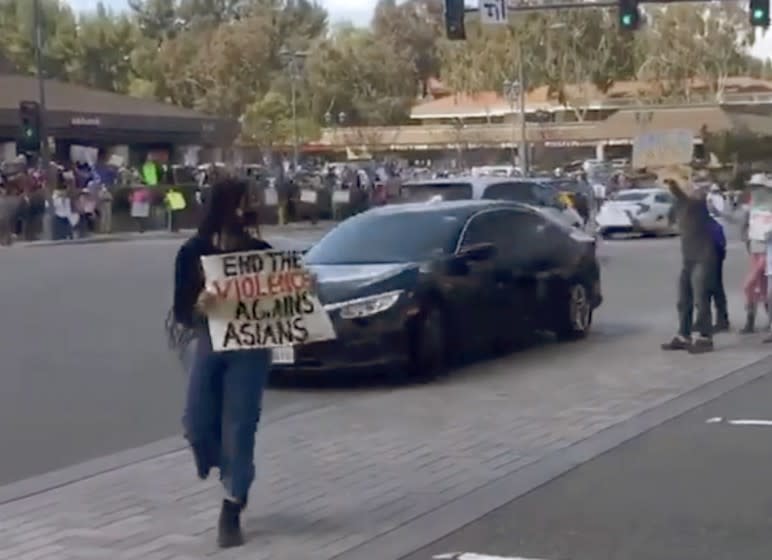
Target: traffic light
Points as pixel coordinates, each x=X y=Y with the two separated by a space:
x=29 y=132
x=629 y=15
x=759 y=13
x=454 y=20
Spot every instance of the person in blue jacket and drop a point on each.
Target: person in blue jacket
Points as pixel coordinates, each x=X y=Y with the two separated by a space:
x=225 y=389
x=717 y=293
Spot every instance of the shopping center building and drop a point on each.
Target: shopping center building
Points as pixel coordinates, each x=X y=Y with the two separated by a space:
x=115 y=124
x=591 y=124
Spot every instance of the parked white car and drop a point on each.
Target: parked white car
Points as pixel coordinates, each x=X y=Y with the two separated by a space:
x=644 y=211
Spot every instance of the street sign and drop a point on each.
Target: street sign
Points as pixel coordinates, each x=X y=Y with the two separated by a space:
x=493 y=12
x=661 y=149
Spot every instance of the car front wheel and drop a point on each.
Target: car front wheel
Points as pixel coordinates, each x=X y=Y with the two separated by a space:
x=575 y=313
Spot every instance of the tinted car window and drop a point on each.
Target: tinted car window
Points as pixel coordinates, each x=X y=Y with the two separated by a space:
x=389 y=238
x=484 y=228
x=422 y=192
x=663 y=198
x=518 y=191
x=517 y=235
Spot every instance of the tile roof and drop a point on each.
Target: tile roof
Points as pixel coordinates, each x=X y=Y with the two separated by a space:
x=491 y=103
x=622 y=125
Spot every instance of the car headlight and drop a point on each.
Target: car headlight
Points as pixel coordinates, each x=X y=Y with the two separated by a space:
x=367 y=306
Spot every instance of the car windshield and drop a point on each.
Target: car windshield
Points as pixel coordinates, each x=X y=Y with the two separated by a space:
x=631 y=196
x=423 y=192
x=410 y=236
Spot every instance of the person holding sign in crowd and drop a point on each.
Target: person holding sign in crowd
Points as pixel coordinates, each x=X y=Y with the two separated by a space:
x=225 y=388
x=699 y=258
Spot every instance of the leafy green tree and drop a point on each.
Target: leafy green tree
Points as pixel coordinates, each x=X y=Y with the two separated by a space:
x=415 y=29
x=157 y=19
x=102 y=58
x=268 y=123
x=685 y=45
x=356 y=73
x=59 y=32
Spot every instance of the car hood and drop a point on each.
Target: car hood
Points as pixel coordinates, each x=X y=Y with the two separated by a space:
x=343 y=282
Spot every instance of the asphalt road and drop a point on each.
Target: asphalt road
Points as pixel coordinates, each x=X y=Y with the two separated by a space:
x=695 y=488
x=86 y=372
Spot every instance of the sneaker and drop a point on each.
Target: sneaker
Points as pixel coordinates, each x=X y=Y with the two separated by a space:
x=229 y=533
x=678 y=343
x=721 y=326
x=702 y=345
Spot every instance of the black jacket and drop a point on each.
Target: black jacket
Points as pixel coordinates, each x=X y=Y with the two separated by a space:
x=189 y=276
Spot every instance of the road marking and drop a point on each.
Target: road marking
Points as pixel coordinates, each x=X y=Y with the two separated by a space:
x=719 y=420
x=473 y=556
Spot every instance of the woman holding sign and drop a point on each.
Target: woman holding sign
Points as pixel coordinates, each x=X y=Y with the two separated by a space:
x=225 y=388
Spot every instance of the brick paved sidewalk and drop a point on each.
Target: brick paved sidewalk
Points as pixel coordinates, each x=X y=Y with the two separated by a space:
x=334 y=478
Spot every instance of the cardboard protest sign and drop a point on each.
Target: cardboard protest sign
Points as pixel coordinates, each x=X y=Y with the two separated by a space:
x=681 y=175
x=760 y=219
x=661 y=149
x=266 y=301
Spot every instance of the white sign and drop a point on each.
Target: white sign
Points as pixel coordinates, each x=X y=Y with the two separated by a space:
x=341 y=197
x=271 y=196
x=760 y=219
x=493 y=12
x=85 y=121
x=266 y=301
x=308 y=196
x=660 y=149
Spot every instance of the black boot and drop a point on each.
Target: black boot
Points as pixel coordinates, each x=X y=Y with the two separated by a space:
x=750 y=320
x=229 y=526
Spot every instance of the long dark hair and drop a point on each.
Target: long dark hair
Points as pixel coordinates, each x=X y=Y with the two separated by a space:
x=221 y=214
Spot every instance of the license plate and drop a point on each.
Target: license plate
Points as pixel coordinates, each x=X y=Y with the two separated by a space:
x=283 y=355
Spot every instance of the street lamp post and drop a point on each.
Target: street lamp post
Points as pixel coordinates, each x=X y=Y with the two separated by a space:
x=515 y=91
x=334 y=121
x=292 y=59
x=45 y=156
x=38 y=24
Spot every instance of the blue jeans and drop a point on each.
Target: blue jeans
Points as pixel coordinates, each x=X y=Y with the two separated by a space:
x=224 y=399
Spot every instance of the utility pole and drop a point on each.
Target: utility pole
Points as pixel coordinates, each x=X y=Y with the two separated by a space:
x=38 y=24
x=516 y=92
x=45 y=156
x=524 y=155
x=292 y=59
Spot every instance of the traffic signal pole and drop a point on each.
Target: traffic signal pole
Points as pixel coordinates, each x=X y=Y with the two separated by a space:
x=45 y=156
x=552 y=6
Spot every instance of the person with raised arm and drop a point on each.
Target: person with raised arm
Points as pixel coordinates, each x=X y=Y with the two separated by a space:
x=698 y=264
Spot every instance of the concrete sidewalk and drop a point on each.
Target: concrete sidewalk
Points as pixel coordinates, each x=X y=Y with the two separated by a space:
x=155 y=235
x=379 y=477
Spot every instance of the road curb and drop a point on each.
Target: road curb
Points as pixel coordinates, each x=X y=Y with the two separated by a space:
x=420 y=532
x=163 y=235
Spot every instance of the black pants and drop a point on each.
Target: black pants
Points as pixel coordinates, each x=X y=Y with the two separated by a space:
x=717 y=293
x=695 y=287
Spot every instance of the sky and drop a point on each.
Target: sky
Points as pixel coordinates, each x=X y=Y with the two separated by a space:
x=341 y=10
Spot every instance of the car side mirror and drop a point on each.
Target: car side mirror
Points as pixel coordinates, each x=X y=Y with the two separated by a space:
x=477 y=252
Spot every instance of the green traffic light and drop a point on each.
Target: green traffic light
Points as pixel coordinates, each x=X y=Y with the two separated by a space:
x=627 y=20
x=758 y=15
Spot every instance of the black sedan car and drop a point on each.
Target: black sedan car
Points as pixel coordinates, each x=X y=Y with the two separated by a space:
x=414 y=287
